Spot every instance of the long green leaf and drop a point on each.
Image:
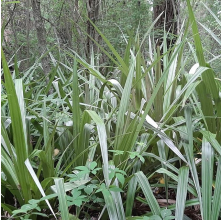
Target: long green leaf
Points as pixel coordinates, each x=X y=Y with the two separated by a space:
x=35 y=178
x=153 y=125
x=208 y=80
x=181 y=192
x=217 y=192
x=103 y=142
x=210 y=137
x=63 y=206
x=211 y=33
x=175 y=178
x=120 y=60
x=207 y=178
x=138 y=91
x=20 y=95
x=110 y=204
x=12 y=183
x=158 y=102
x=124 y=106
x=19 y=136
x=216 y=18
x=117 y=197
x=151 y=100
x=188 y=147
x=193 y=79
x=76 y=113
x=132 y=185
x=84 y=137
x=131 y=190
x=145 y=186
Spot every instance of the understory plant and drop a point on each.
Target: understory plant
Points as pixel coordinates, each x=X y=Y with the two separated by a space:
x=87 y=145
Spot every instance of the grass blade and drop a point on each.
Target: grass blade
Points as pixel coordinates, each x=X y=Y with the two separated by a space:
x=124 y=106
x=158 y=106
x=181 y=192
x=19 y=136
x=153 y=125
x=103 y=142
x=117 y=196
x=131 y=190
x=217 y=192
x=8 y=168
x=188 y=147
x=175 y=178
x=120 y=60
x=208 y=80
x=210 y=137
x=211 y=33
x=146 y=188
x=110 y=204
x=35 y=178
x=20 y=95
x=76 y=113
x=63 y=206
x=216 y=18
x=207 y=178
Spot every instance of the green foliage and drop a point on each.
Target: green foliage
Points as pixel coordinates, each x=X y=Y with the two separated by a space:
x=120 y=25
x=31 y=209
x=165 y=214
x=101 y=144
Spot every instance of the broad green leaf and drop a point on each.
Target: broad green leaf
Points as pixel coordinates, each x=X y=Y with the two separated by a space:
x=155 y=217
x=12 y=182
x=71 y=185
x=166 y=213
x=20 y=95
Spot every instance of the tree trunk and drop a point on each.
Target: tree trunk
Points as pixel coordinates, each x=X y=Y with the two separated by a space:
x=64 y=25
x=14 y=31
x=169 y=19
x=93 y=11
x=28 y=31
x=41 y=36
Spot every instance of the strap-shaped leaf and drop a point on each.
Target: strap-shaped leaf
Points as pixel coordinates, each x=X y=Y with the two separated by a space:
x=146 y=188
x=59 y=184
x=181 y=192
x=19 y=136
x=207 y=178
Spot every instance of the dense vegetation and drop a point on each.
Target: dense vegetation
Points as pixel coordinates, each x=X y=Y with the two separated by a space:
x=135 y=137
